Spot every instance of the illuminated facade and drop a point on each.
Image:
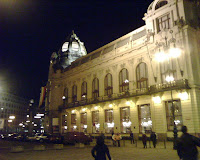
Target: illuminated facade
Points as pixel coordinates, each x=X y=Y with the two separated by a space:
x=145 y=80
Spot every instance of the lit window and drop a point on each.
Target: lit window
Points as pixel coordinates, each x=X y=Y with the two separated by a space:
x=109 y=121
x=74 y=93
x=95 y=122
x=84 y=122
x=145 y=122
x=73 y=122
x=84 y=91
x=123 y=80
x=125 y=120
x=177 y=114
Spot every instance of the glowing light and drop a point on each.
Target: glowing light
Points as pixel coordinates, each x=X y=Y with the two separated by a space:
x=63 y=97
x=157 y=99
x=66 y=115
x=74 y=127
x=28 y=121
x=11 y=117
x=161 y=57
x=174 y=52
x=146 y=124
x=1 y=108
x=97 y=125
x=65 y=127
x=177 y=122
x=111 y=125
x=21 y=124
x=40 y=114
x=27 y=116
x=183 y=96
x=169 y=78
x=37 y=117
x=128 y=103
x=35 y=125
x=96 y=107
x=126 y=81
x=126 y=124
x=10 y=120
x=84 y=126
x=110 y=105
x=73 y=111
x=83 y=109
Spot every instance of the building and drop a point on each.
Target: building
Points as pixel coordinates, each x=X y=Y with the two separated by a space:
x=146 y=80
x=13 y=111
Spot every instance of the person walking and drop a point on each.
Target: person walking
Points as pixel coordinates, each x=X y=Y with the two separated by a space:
x=116 y=138
x=187 y=146
x=132 y=138
x=153 y=138
x=100 y=150
x=144 y=140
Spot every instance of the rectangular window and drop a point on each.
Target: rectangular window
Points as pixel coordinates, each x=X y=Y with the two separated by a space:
x=125 y=119
x=84 y=122
x=95 y=122
x=144 y=115
x=73 y=122
x=177 y=114
x=163 y=22
x=109 y=121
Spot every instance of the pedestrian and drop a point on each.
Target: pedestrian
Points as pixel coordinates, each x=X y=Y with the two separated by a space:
x=117 y=137
x=153 y=138
x=144 y=140
x=100 y=150
x=186 y=146
x=113 y=139
x=132 y=138
x=102 y=135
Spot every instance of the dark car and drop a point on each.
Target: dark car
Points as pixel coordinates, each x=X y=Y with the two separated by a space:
x=56 y=138
x=76 y=137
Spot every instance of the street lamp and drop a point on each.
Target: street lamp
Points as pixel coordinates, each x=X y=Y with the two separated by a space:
x=168 y=54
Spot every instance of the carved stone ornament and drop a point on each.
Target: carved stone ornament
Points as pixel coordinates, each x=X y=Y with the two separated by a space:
x=114 y=67
x=140 y=60
x=131 y=61
x=123 y=65
x=108 y=70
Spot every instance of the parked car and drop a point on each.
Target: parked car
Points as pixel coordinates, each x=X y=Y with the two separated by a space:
x=31 y=137
x=56 y=138
x=12 y=136
x=43 y=137
x=76 y=137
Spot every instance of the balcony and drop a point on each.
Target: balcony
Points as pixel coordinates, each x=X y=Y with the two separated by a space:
x=175 y=85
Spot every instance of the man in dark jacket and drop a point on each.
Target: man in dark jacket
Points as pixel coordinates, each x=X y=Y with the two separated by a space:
x=153 y=138
x=186 y=146
x=100 y=151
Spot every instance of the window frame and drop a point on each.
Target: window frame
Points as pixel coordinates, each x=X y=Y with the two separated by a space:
x=108 y=85
x=74 y=93
x=141 y=81
x=123 y=75
x=95 y=88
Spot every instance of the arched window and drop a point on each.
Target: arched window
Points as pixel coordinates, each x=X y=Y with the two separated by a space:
x=74 y=93
x=95 y=88
x=65 y=95
x=108 y=85
x=123 y=80
x=84 y=91
x=142 y=76
x=160 y=4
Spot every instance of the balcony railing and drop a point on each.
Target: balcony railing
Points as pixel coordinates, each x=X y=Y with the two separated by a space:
x=178 y=84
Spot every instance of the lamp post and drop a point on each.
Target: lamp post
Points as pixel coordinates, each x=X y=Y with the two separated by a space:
x=168 y=54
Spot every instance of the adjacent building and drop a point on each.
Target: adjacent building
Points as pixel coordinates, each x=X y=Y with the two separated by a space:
x=147 y=80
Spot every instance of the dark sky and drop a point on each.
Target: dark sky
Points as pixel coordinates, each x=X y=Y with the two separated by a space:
x=30 y=30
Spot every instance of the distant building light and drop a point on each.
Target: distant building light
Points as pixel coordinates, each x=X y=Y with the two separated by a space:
x=10 y=120
x=35 y=125
x=28 y=121
x=1 y=108
x=21 y=124
x=40 y=114
x=27 y=115
x=65 y=127
x=85 y=126
x=63 y=97
x=37 y=117
x=11 y=117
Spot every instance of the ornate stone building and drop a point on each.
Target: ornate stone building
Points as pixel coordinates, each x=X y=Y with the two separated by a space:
x=146 y=80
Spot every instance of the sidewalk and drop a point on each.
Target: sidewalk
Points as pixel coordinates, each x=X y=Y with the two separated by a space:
x=125 y=152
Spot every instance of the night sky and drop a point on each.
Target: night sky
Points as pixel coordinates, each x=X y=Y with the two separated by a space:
x=30 y=30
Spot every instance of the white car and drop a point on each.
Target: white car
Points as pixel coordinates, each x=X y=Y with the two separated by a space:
x=42 y=137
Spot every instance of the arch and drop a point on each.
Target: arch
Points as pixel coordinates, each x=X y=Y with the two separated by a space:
x=123 y=80
x=142 y=75
x=160 y=4
x=108 y=86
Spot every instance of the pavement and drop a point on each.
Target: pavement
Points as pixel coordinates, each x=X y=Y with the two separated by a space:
x=127 y=151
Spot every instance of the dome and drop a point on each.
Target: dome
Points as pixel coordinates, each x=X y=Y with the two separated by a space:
x=156 y=4
x=71 y=50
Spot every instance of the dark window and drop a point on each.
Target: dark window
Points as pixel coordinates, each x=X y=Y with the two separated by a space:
x=108 y=85
x=142 y=76
x=74 y=93
x=160 y=4
x=95 y=88
x=123 y=80
x=65 y=95
x=163 y=22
